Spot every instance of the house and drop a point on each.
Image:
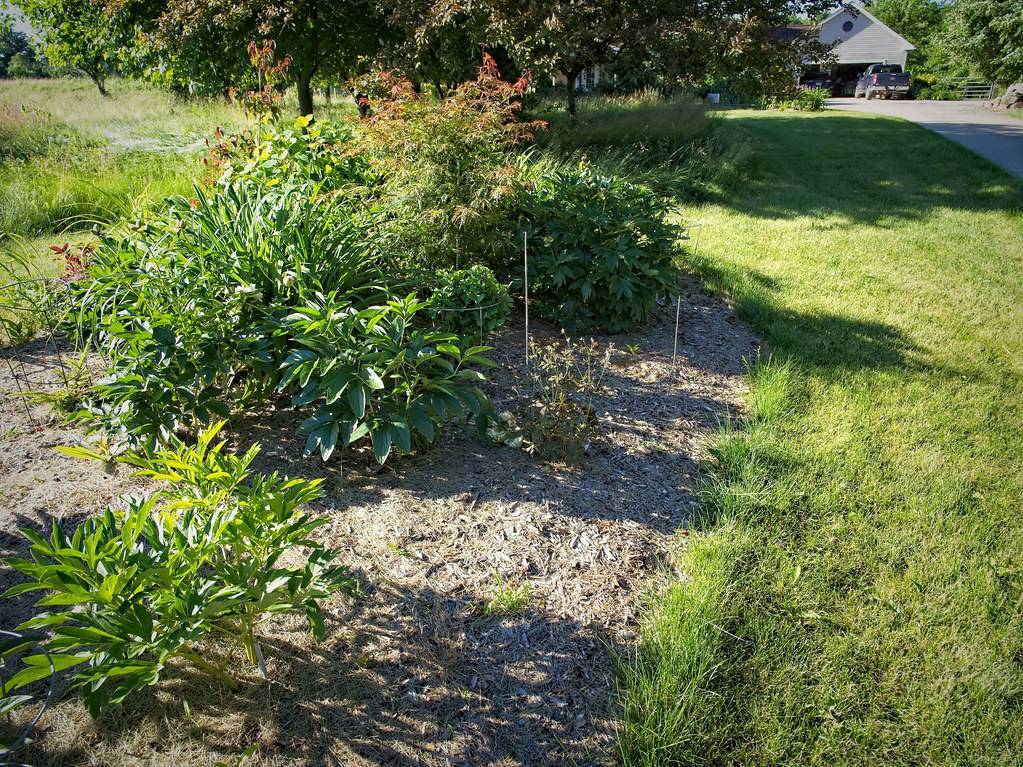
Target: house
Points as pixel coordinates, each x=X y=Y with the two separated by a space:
x=858 y=39
x=587 y=80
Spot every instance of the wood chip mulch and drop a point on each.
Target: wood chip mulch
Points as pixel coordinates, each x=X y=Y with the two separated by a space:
x=415 y=672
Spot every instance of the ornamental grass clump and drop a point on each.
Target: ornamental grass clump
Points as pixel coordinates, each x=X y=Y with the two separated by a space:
x=178 y=577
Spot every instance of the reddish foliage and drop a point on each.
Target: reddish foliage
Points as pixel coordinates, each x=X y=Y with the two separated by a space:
x=494 y=99
x=271 y=78
x=76 y=260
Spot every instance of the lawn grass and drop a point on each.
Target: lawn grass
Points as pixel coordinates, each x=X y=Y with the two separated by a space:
x=856 y=595
x=70 y=157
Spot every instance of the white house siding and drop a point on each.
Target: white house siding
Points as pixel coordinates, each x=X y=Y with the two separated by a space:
x=587 y=80
x=868 y=42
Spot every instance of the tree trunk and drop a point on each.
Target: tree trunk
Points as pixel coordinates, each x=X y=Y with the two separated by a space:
x=305 y=93
x=570 y=78
x=100 y=82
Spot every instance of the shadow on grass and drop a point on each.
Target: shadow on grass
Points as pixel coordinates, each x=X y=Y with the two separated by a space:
x=818 y=340
x=856 y=168
x=863 y=169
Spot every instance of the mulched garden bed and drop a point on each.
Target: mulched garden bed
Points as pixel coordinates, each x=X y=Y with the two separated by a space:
x=414 y=672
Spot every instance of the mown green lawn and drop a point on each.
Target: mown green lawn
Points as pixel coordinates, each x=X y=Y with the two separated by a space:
x=857 y=597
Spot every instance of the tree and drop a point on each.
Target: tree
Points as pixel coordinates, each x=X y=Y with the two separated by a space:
x=25 y=65
x=202 y=43
x=987 y=37
x=564 y=36
x=78 y=34
x=674 y=41
x=756 y=58
x=433 y=43
x=11 y=44
x=919 y=21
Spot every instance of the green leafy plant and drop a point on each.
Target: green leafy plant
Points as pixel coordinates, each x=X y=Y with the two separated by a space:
x=75 y=384
x=201 y=557
x=187 y=306
x=16 y=690
x=29 y=307
x=600 y=249
x=374 y=374
x=805 y=100
x=271 y=154
x=469 y=302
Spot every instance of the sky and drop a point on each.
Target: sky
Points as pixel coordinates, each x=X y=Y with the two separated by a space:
x=20 y=22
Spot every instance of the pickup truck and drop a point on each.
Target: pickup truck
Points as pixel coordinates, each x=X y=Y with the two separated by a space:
x=885 y=80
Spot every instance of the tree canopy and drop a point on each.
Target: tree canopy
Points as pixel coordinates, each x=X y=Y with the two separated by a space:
x=12 y=43
x=78 y=34
x=986 y=36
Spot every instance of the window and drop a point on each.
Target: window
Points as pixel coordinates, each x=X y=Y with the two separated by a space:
x=589 y=76
x=847 y=26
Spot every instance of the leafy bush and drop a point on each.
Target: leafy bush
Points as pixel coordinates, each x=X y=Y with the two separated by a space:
x=376 y=375
x=812 y=99
x=806 y=100
x=600 y=249
x=469 y=301
x=200 y=557
x=322 y=152
x=200 y=309
x=450 y=185
x=185 y=304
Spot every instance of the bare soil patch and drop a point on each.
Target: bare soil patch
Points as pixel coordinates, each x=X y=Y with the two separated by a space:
x=414 y=673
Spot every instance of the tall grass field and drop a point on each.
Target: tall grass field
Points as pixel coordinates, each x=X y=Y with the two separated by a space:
x=70 y=158
x=856 y=594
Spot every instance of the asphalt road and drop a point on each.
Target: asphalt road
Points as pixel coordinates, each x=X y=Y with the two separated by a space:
x=994 y=135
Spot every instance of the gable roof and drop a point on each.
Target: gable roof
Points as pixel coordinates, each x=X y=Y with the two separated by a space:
x=859 y=8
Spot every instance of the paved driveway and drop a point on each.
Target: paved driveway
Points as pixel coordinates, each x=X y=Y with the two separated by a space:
x=994 y=135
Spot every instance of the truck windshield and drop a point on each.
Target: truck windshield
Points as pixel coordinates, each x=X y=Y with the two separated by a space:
x=892 y=69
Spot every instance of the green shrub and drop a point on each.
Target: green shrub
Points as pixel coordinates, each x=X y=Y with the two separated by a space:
x=185 y=305
x=600 y=249
x=812 y=99
x=204 y=310
x=470 y=301
x=374 y=374
x=322 y=152
x=806 y=100
x=202 y=557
